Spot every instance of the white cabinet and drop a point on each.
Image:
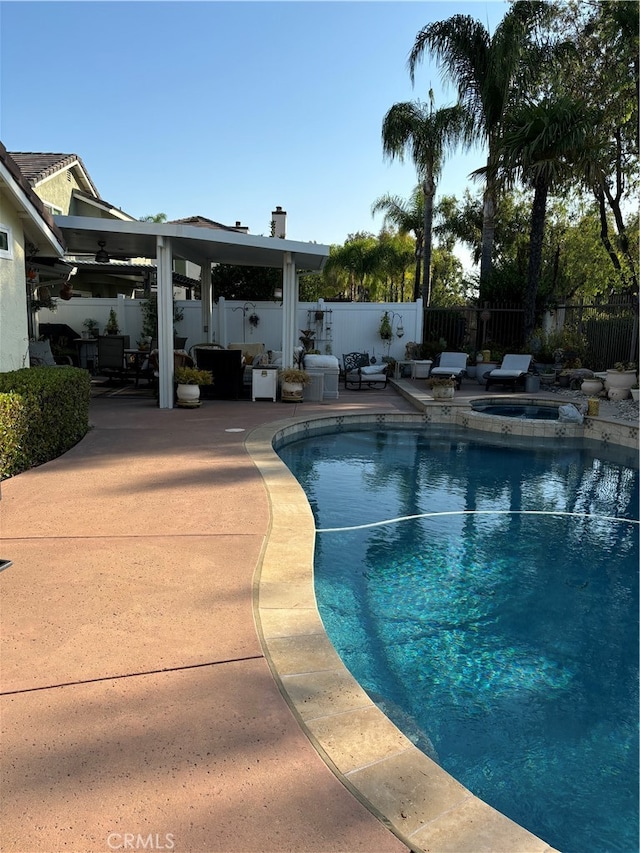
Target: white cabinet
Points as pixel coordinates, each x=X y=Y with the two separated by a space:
x=264 y=382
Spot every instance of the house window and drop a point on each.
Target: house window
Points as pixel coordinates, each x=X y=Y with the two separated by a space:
x=6 y=242
x=52 y=209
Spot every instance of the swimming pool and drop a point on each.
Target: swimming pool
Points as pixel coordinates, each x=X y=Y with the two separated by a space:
x=490 y=656
x=516 y=410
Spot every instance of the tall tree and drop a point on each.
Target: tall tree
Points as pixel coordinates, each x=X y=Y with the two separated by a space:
x=355 y=263
x=487 y=70
x=407 y=215
x=604 y=70
x=541 y=145
x=428 y=134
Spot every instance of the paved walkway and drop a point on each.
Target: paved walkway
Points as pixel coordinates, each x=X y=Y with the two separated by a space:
x=138 y=711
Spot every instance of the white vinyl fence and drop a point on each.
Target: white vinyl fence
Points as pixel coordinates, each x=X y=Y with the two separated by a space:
x=337 y=327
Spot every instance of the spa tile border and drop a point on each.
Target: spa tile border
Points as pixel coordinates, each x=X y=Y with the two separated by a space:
x=425 y=807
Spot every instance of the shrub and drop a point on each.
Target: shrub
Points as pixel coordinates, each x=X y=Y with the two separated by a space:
x=44 y=411
x=193 y=376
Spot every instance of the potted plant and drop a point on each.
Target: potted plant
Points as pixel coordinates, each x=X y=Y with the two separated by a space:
x=635 y=391
x=189 y=380
x=292 y=381
x=385 y=331
x=442 y=387
x=91 y=327
x=564 y=378
x=112 y=327
x=254 y=320
x=619 y=380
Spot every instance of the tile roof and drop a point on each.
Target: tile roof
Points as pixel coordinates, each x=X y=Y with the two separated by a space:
x=21 y=180
x=203 y=222
x=37 y=166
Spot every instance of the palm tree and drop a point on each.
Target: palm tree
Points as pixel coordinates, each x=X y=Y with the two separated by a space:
x=487 y=71
x=353 y=264
x=408 y=217
x=542 y=144
x=427 y=133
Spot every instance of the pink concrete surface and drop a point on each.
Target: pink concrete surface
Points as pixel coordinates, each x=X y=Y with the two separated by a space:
x=136 y=702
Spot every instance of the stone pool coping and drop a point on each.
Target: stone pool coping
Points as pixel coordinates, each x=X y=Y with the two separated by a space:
x=423 y=805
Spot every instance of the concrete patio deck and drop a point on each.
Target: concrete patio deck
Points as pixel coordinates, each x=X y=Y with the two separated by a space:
x=136 y=698
x=138 y=709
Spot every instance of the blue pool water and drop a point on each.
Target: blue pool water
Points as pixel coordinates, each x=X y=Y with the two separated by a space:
x=517 y=410
x=492 y=611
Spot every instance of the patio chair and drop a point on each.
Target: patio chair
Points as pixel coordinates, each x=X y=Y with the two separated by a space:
x=40 y=355
x=513 y=370
x=111 y=360
x=358 y=372
x=451 y=364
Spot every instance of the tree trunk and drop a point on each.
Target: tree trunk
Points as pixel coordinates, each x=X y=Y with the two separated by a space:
x=488 y=239
x=429 y=190
x=416 y=281
x=536 y=237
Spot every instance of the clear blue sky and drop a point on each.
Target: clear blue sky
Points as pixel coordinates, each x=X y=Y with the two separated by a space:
x=226 y=109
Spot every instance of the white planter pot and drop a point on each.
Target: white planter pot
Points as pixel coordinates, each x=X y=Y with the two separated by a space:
x=292 y=392
x=591 y=386
x=484 y=368
x=188 y=396
x=443 y=392
x=616 y=394
x=620 y=379
x=635 y=393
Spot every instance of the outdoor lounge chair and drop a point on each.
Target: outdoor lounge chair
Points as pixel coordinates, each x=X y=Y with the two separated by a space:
x=451 y=364
x=360 y=373
x=40 y=355
x=513 y=370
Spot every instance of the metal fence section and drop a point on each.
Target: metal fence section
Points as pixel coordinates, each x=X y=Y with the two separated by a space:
x=473 y=327
x=611 y=329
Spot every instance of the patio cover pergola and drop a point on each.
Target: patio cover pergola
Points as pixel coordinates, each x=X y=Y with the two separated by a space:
x=202 y=246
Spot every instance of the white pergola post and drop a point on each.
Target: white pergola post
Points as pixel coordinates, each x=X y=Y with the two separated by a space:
x=289 y=308
x=223 y=337
x=165 y=322
x=206 y=301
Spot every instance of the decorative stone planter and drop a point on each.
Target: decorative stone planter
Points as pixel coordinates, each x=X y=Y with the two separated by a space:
x=483 y=368
x=617 y=394
x=188 y=396
x=591 y=386
x=620 y=380
x=635 y=393
x=443 y=392
x=292 y=392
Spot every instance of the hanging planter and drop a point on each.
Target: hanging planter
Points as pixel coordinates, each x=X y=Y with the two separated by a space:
x=385 y=331
x=254 y=320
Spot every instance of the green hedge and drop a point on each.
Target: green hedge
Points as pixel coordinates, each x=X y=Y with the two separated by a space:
x=43 y=412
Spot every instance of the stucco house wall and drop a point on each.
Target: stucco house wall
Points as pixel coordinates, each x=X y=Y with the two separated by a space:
x=13 y=304
x=57 y=191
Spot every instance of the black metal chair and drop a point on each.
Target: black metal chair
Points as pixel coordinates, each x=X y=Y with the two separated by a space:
x=359 y=372
x=111 y=360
